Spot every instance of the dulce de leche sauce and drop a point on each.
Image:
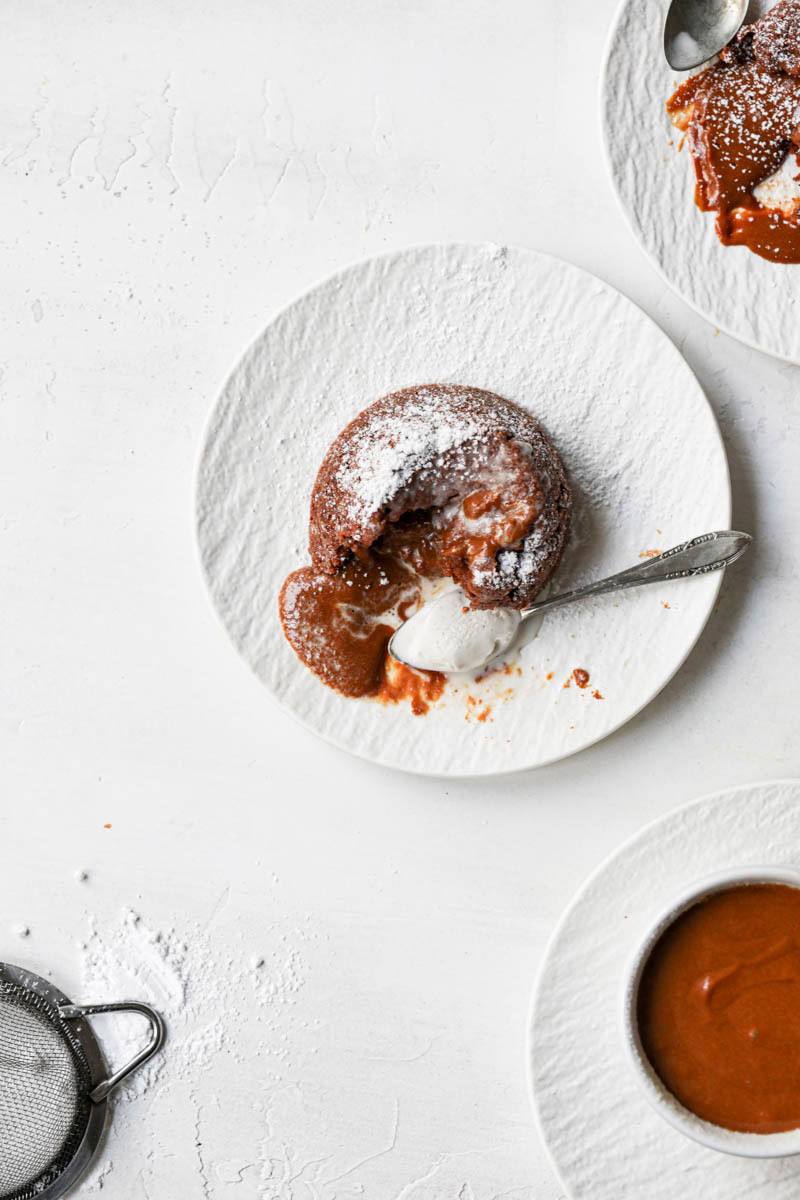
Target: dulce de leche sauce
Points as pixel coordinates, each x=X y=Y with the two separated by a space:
x=740 y=122
x=340 y=625
x=719 y=1008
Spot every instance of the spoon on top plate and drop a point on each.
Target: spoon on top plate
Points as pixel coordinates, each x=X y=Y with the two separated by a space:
x=696 y=30
x=446 y=635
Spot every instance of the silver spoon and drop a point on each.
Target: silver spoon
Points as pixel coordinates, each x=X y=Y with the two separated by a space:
x=696 y=30
x=446 y=635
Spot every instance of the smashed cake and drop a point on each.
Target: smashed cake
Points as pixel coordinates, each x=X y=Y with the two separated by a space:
x=428 y=481
x=741 y=116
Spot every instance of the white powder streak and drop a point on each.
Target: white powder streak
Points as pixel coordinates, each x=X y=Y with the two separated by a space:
x=212 y=1000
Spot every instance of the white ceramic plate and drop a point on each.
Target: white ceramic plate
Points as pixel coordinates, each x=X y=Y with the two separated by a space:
x=638 y=438
x=603 y=1138
x=753 y=300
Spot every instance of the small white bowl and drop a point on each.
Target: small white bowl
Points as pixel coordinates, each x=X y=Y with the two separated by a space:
x=729 y=1141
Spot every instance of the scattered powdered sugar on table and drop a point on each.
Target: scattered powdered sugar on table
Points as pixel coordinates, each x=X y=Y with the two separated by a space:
x=159 y=967
x=229 y=1013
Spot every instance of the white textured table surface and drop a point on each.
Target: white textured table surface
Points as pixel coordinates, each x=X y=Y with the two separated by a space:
x=173 y=173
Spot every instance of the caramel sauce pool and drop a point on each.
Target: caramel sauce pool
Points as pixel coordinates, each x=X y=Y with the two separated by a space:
x=719 y=1008
x=740 y=120
x=334 y=625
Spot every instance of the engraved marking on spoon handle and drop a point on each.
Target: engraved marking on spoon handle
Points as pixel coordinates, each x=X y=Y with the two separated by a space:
x=700 y=556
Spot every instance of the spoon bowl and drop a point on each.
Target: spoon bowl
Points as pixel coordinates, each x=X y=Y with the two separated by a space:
x=447 y=635
x=696 y=30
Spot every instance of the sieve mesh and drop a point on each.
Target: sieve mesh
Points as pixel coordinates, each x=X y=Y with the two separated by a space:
x=45 y=1081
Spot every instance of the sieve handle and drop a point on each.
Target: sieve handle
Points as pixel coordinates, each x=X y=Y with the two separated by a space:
x=158 y=1032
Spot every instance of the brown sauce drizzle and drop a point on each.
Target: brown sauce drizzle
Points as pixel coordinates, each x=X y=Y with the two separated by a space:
x=334 y=625
x=742 y=119
x=399 y=682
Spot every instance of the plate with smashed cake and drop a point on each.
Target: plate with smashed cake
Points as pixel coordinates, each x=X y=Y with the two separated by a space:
x=481 y=422
x=706 y=167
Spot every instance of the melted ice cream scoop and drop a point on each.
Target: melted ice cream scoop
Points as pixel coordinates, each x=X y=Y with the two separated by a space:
x=447 y=635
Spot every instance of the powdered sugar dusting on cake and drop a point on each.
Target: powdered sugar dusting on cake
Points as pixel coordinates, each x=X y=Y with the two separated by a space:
x=429 y=449
x=386 y=456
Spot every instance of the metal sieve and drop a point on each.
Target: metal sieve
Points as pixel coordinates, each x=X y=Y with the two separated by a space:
x=53 y=1084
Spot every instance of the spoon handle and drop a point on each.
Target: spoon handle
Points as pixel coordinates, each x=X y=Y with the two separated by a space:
x=697 y=557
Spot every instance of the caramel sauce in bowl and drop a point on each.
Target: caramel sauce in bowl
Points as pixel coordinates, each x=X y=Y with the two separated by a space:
x=710 y=1022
